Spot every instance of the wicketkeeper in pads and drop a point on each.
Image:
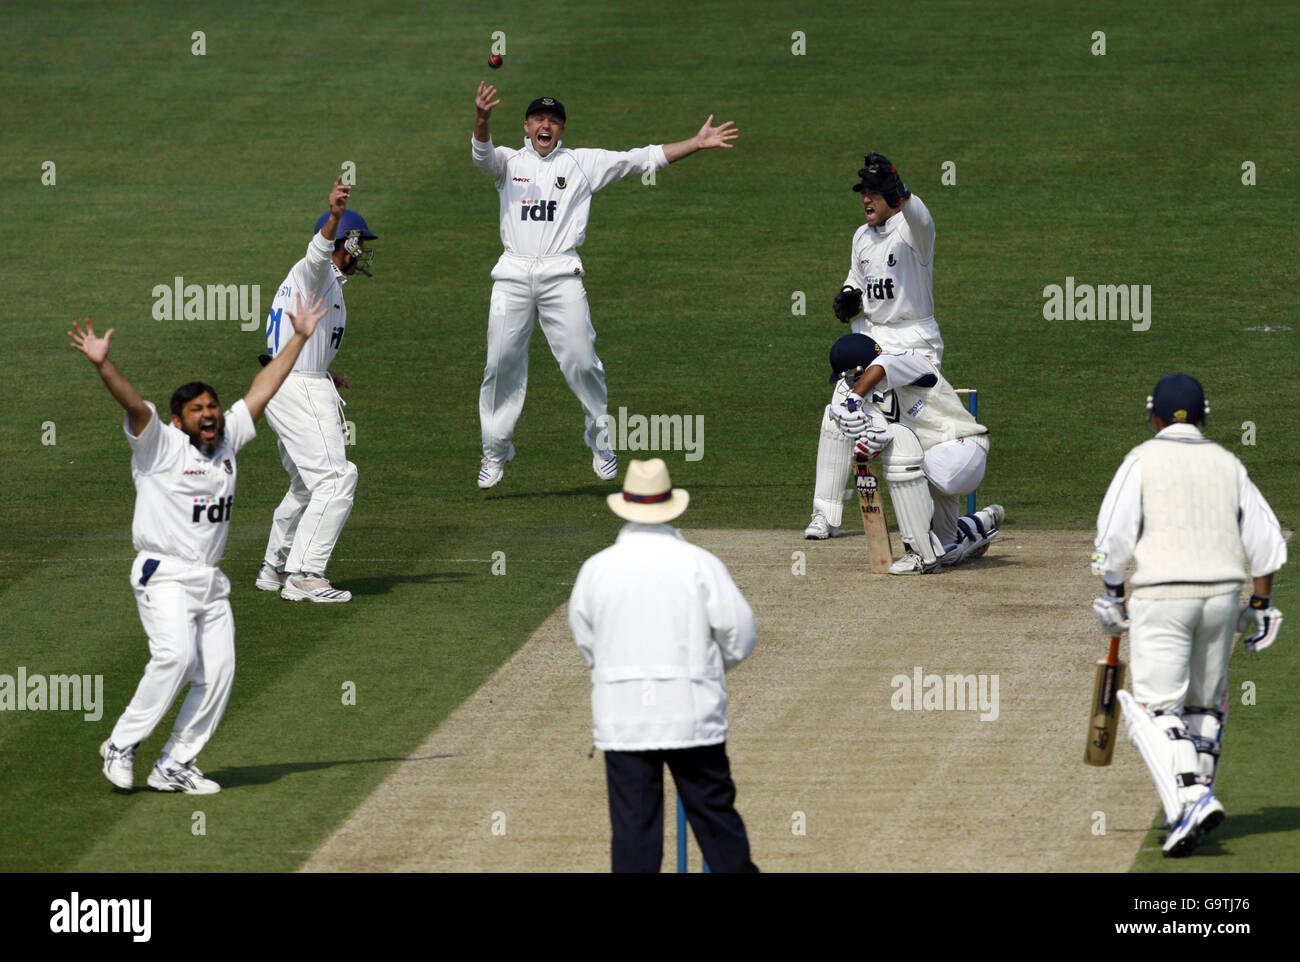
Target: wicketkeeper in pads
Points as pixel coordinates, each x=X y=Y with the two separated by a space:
x=660 y=622
x=185 y=474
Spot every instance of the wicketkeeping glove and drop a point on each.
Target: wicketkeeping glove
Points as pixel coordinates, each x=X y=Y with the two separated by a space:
x=880 y=170
x=1112 y=612
x=1260 y=622
x=848 y=303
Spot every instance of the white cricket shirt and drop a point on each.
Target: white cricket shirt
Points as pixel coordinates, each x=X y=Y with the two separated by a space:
x=184 y=499
x=893 y=266
x=915 y=394
x=314 y=274
x=659 y=622
x=1187 y=511
x=545 y=201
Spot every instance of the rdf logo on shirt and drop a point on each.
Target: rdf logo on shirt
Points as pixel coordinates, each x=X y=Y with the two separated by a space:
x=216 y=510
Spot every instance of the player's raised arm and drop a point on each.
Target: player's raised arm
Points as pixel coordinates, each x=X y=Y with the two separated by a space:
x=484 y=101
x=338 y=204
x=269 y=379
x=96 y=349
x=708 y=136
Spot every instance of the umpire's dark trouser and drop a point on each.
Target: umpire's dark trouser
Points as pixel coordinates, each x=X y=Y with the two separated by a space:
x=636 y=807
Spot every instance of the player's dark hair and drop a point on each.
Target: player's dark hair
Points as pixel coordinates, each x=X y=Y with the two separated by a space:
x=188 y=392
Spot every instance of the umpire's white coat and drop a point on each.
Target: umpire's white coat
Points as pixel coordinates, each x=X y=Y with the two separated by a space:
x=659 y=622
x=544 y=206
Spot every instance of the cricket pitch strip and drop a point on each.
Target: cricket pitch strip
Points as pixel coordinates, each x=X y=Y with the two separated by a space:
x=930 y=723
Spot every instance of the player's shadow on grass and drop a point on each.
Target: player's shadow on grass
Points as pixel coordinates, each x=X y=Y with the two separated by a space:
x=595 y=489
x=384 y=584
x=1266 y=821
x=266 y=774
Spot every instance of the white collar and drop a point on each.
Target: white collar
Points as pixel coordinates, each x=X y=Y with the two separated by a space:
x=1180 y=431
x=528 y=146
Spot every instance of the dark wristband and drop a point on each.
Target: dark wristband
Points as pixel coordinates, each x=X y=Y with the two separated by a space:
x=1260 y=602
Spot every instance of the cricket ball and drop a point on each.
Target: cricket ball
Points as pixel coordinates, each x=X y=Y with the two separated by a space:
x=495 y=61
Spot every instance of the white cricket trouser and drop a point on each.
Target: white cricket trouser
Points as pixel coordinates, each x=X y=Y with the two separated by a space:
x=1179 y=650
x=954 y=469
x=185 y=610
x=547 y=290
x=834 y=450
x=307 y=417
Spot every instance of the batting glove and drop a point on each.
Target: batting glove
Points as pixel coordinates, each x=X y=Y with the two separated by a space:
x=847 y=304
x=873 y=441
x=1111 y=611
x=1260 y=622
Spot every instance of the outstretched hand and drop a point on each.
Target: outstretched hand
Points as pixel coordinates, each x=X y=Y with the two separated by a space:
x=720 y=136
x=483 y=101
x=339 y=196
x=95 y=348
x=305 y=317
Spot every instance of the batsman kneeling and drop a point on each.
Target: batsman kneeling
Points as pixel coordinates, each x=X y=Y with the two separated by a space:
x=1186 y=511
x=898 y=407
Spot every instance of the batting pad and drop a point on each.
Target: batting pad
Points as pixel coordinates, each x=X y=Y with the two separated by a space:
x=910 y=491
x=1158 y=750
x=834 y=468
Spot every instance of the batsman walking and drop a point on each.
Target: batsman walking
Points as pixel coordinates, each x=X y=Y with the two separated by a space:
x=1186 y=511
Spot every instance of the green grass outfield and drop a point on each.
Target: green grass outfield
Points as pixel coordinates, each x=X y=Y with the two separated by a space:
x=1123 y=168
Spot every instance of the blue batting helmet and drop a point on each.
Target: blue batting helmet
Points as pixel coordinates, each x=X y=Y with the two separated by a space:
x=851 y=355
x=352 y=230
x=350 y=221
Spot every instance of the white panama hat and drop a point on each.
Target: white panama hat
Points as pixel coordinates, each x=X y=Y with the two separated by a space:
x=648 y=495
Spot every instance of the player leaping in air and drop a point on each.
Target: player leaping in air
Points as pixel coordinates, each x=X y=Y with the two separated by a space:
x=545 y=191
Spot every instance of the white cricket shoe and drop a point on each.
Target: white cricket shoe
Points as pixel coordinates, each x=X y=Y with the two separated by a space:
x=269 y=578
x=1202 y=817
x=119 y=764
x=605 y=464
x=997 y=513
x=912 y=564
x=309 y=586
x=491 y=471
x=181 y=778
x=819 y=529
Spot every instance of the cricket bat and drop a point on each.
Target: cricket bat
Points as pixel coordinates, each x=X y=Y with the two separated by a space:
x=880 y=554
x=1105 y=708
